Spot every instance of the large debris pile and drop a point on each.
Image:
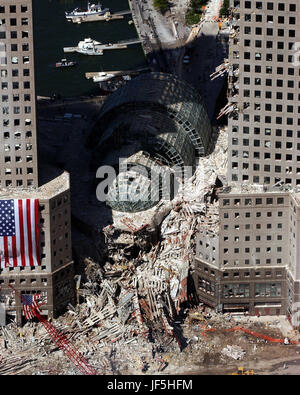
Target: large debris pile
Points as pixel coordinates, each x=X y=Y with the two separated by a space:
x=145 y=279
x=137 y=295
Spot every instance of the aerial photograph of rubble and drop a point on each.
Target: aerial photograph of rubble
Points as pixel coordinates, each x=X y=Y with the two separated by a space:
x=149 y=189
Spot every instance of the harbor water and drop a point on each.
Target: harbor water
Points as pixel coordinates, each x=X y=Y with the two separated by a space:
x=53 y=32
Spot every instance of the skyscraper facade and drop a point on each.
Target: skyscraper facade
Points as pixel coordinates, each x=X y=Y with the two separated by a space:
x=264 y=135
x=52 y=278
x=252 y=263
x=18 y=159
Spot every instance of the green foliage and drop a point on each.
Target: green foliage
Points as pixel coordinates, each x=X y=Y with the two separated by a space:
x=161 y=5
x=196 y=5
x=194 y=13
x=192 y=18
x=224 y=11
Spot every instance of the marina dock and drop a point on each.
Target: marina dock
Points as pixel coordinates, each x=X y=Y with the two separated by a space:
x=98 y=18
x=117 y=73
x=102 y=47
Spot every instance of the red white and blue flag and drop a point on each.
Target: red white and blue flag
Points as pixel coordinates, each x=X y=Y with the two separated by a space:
x=19 y=232
x=30 y=302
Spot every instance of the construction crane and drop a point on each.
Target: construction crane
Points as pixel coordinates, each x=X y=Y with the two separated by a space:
x=60 y=339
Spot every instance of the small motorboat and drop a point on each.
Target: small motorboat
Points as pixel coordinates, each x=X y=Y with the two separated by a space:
x=64 y=63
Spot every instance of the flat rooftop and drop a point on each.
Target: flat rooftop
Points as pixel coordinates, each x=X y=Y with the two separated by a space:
x=48 y=190
x=256 y=189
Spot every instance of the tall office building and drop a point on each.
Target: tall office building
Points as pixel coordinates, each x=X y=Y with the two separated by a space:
x=264 y=135
x=252 y=262
x=50 y=274
x=18 y=159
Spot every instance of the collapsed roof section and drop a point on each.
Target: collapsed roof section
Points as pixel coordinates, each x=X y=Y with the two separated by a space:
x=141 y=185
x=161 y=116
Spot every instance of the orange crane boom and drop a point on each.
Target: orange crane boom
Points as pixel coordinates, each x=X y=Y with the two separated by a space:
x=61 y=341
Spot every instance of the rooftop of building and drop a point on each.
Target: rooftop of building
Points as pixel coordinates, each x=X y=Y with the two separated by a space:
x=237 y=188
x=58 y=184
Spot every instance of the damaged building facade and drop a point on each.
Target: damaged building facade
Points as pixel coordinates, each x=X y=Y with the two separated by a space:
x=251 y=261
x=245 y=266
x=51 y=277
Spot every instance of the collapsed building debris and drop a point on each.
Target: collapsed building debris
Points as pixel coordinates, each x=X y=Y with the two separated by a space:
x=221 y=70
x=138 y=294
x=234 y=352
x=228 y=109
x=145 y=278
x=131 y=305
x=149 y=261
x=141 y=289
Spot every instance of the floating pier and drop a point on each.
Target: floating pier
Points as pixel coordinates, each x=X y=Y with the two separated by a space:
x=116 y=73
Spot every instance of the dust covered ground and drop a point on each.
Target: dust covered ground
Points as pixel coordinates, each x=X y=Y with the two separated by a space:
x=30 y=351
x=203 y=355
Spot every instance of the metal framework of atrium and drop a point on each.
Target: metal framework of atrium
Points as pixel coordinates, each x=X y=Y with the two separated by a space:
x=158 y=116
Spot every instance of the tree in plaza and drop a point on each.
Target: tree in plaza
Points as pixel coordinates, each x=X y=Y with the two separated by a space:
x=161 y=5
x=197 y=5
x=224 y=11
x=195 y=11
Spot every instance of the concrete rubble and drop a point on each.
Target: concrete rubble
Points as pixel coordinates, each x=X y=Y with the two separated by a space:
x=134 y=313
x=116 y=344
x=220 y=70
x=234 y=352
x=140 y=291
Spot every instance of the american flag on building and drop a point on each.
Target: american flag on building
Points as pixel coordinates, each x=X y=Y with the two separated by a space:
x=30 y=302
x=19 y=232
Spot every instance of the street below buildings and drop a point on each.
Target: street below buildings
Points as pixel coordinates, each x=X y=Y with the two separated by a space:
x=167 y=40
x=206 y=52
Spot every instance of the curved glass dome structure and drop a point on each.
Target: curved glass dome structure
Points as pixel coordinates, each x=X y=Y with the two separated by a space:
x=163 y=117
x=140 y=184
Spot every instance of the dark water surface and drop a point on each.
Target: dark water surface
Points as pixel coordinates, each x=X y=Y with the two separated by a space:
x=53 y=32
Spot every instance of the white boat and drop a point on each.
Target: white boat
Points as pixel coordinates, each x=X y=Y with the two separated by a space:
x=102 y=76
x=89 y=47
x=64 y=63
x=92 y=9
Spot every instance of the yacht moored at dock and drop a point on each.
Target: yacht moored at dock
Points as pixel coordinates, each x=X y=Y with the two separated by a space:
x=91 y=10
x=89 y=47
x=92 y=47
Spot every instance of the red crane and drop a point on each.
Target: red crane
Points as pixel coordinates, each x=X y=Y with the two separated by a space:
x=60 y=340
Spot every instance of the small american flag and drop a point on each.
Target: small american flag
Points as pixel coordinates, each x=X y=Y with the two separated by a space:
x=30 y=302
x=19 y=232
